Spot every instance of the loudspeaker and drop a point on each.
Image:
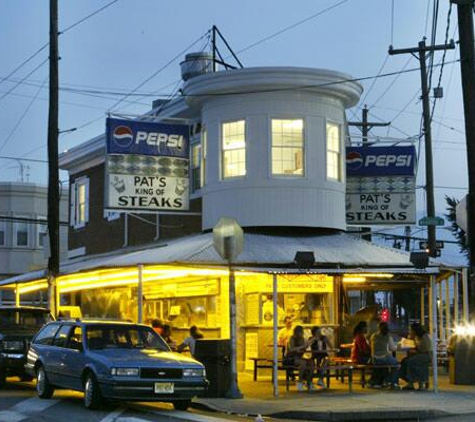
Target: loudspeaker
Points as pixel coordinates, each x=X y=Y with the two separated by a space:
x=419 y=259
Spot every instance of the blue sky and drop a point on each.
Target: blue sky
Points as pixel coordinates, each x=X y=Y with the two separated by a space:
x=117 y=49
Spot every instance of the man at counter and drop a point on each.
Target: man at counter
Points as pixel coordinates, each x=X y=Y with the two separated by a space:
x=286 y=332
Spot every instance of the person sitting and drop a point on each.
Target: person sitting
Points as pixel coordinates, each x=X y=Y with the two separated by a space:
x=415 y=367
x=295 y=357
x=320 y=344
x=382 y=348
x=190 y=342
x=360 y=350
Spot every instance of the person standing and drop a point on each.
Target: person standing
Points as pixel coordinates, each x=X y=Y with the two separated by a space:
x=285 y=333
x=157 y=326
x=190 y=342
x=382 y=348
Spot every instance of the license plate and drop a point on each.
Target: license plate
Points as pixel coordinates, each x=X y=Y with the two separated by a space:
x=164 y=388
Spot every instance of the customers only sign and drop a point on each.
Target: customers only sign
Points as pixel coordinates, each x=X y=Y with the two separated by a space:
x=146 y=166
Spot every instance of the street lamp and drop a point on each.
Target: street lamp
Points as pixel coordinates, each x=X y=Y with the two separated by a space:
x=227 y=240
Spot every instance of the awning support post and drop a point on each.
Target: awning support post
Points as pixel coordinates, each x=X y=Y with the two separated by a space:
x=140 y=294
x=17 y=295
x=275 y=356
x=440 y=308
x=433 y=285
x=456 y=298
x=465 y=295
x=447 y=308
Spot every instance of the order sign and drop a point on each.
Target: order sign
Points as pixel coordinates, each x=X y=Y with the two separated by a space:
x=164 y=388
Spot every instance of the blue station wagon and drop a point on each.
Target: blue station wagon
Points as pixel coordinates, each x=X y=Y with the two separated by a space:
x=112 y=360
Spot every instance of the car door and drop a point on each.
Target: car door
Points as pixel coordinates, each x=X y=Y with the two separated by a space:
x=72 y=359
x=56 y=370
x=42 y=345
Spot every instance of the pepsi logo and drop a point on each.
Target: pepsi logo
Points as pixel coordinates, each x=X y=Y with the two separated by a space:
x=354 y=161
x=123 y=136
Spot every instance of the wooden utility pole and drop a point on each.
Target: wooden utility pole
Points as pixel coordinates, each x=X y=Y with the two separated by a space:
x=53 y=177
x=365 y=127
x=467 y=67
x=422 y=49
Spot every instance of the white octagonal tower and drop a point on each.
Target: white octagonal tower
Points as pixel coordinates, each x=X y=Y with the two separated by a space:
x=274 y=153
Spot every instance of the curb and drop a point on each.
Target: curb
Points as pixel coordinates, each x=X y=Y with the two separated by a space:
x=329 y=416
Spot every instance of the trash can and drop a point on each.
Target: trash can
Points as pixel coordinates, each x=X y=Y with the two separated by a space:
x=461 y=359
x=215 y=355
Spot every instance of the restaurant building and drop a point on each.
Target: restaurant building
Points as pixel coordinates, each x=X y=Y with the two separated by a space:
x=268 y=150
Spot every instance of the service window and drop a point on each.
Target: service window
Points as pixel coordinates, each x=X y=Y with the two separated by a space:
x=46 y=335
x=62 y=336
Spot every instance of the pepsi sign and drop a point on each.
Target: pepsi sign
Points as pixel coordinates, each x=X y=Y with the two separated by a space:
x=380 y=161
x=147 y=138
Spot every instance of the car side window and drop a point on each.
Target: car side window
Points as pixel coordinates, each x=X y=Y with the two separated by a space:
x=62 y=336
x=75 y=340
x=46 y=335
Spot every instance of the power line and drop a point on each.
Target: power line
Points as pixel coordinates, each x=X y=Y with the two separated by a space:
x=281 y=31
x=33 y=160
x=87 y=17
x=21 y=80
x=18 y=123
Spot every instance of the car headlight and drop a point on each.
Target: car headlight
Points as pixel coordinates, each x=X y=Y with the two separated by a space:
x=192 y=372
x=12 y=345
x=125 y=372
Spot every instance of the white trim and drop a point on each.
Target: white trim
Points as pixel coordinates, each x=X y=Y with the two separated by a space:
x=221 y=149
x=74 y=253
x=81 y=182
x=39 y=232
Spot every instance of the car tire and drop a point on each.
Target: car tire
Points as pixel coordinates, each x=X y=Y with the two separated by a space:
x=43 y=387
x=182 y=404
x=92 y=393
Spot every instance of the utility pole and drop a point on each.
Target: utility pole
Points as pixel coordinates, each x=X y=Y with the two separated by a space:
x=422 y=49
x=365 y=127
x=467 y=67
x=53 y=177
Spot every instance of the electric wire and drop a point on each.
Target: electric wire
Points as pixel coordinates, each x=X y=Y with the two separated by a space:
x=85 y=18
x=25 y=112
x=24 y=78
x=321 y=12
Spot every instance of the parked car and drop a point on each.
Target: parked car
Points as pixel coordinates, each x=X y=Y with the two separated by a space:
x=18 y=325
x=112 y=360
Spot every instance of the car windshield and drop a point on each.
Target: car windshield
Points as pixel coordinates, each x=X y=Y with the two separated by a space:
x=24 y=317
x=123 y=336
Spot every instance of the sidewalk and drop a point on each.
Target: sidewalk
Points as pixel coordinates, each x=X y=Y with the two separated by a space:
x=336 y=404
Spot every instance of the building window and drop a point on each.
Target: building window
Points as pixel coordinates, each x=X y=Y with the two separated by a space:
x=42 y=232
x=234 y=149
x=204 y=146
x=21 y=232
x=3 y=232
x=80 y=202
x=287 y=147
x=195 y=164
x=334 y=152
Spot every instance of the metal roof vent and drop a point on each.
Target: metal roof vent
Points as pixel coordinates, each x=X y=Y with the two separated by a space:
x=196 y=64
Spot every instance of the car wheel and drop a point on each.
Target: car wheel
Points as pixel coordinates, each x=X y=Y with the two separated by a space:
x=44 y=389
x=182 y=404
x=92 y=393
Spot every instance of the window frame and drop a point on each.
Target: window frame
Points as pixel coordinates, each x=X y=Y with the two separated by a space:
x=304 y=148
x=3 y=228
x=39 y=231
x=52 y=326
x=340 y=178
x=16 y=231
x=222 y=150
x=195 y=143
x=75 y=203
x=204 y=153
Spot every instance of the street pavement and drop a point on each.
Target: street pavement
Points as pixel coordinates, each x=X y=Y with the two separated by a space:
x=19 y=403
